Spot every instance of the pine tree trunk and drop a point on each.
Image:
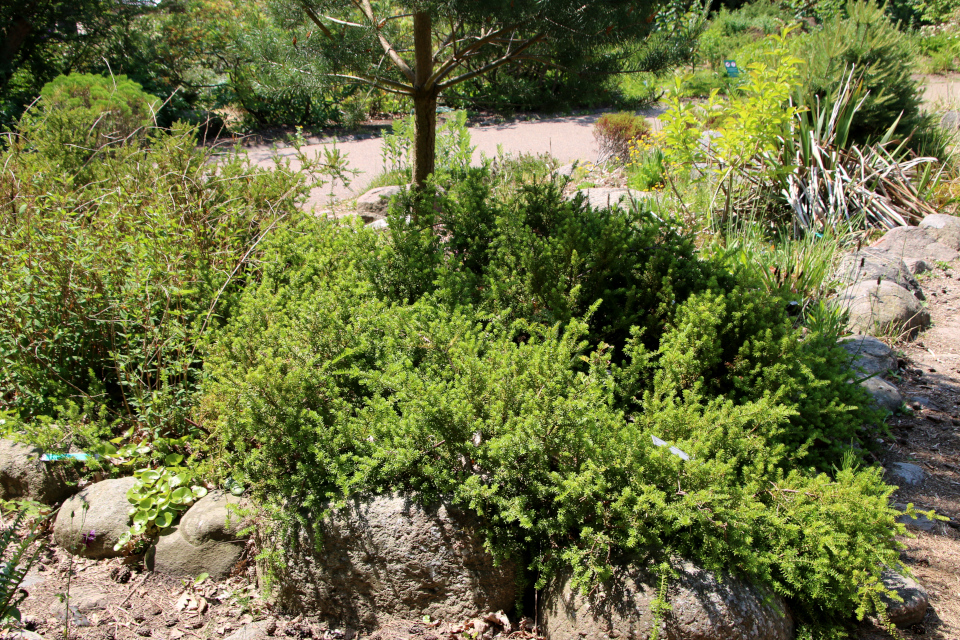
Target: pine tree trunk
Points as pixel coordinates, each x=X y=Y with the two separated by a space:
x=425 y=137
x=424 y=101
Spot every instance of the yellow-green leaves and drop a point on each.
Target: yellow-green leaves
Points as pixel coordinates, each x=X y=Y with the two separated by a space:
x=158 y=497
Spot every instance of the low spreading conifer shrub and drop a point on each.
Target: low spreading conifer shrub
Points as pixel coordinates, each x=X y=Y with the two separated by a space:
x=524 y=359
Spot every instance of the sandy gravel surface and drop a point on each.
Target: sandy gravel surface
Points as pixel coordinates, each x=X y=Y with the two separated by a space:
x=566 y=138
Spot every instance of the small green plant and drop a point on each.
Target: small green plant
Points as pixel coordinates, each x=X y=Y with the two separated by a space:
x=453 y=149
x=17 y=554
x=647 y=167
x=615 y=132
x=158 y=497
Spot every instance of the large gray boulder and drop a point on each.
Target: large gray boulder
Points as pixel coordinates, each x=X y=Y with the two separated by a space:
x=885 y=308
x=915 y=242
x=943 y=228
x=701 y=608
x=91 y=522
x=885 y=395
x=607 y=197
x=207 y=540
x=869 y=354
x=387 y=557
x=374 y=204
x=870 y=265
x=914 y=598
x=23 y=475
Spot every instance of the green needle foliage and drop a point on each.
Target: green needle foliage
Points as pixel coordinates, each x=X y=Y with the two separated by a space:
x=870 y=44
x=518 y=358
x=422 y=49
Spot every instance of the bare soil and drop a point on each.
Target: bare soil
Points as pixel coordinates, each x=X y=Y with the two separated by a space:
x=117 y=600
x=929 y=436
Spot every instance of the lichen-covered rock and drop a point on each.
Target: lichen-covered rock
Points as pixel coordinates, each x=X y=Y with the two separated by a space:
x=387 y=557
x=943 y=228
x=23 y=475
x=885 y=308
x=91 y=522
x=915 y=600
x=207 y=540
x=870 y=265
x=869 y=354
x=173 y=555
x=701 y=608
x=915 y=242
x=904 y=474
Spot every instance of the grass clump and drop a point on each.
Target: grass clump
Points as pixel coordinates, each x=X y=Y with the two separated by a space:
x=615 y=132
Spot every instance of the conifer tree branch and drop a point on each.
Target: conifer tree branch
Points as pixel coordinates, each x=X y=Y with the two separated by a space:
x=499 y=62
x=457 y=57
x=389 y=48
x=316 y=20
x=381 y=83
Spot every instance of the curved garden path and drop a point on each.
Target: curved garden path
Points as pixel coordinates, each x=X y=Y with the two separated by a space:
x=566 y=138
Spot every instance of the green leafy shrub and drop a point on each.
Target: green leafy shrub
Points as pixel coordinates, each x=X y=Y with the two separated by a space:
x=615 y=132
x=139 y=258
x=326 y=384
x=729 y=31
x=743 y=346
x=867 y=41
x=541 y=257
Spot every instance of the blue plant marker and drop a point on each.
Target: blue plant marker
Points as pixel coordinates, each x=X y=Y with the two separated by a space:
x=731 y=67
x=50 y=457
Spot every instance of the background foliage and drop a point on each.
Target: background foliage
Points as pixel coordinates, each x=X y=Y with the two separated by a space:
x=115 y=262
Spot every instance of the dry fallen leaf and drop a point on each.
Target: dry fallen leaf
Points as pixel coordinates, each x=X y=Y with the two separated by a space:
x=501 y=619
x=191 y=602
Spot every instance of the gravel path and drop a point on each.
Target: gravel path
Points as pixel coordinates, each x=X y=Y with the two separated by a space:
x=566 y=138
